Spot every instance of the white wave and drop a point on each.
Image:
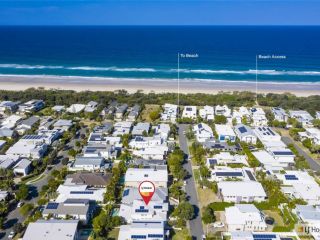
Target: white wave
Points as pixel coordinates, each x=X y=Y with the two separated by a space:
x=187 y=71
x=116 y=69
x=25 y=66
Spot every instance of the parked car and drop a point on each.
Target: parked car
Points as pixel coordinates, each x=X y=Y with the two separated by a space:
x=11 y=235
x=20 y=204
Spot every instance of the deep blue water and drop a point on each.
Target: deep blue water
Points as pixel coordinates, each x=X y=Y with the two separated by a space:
x=227 y=53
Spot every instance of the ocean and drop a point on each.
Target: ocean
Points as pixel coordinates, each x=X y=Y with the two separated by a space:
x=231 y=53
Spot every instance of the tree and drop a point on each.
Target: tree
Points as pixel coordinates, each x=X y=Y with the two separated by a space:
x=154 y=115
x=17 y=227
x=220 y=119
x=72 y=153
x=208 y=215
x=65 y=161
x=23 y=192
x=25 y=209
x=184 y=211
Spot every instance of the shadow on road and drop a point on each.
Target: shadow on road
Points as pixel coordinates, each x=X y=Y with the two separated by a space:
x=33 y=192
x=10 y=223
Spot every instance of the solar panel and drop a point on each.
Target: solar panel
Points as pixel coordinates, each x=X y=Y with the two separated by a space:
x=157 y=207
x=283 y=153
x=229 y=174
x=126 y=192
x=263 y=236
x=141 y=210
x=52 y=205
x=81 y=192
x=212 y=161
x=242 y=129
x=250 y=175
x=138 y=236
x=291 y=177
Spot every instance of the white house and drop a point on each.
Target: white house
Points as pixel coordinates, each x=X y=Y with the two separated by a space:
x=223 y=173
x=88 y=163
x=58 y=108
x=121 y=128
x=139 y=211
x=207 y=113
x=77 y=191
x=28 y=149
x=225 y=158
x=77 y=209
x=302 y=116
x=23 y=167
x=11 y=121
x=245 y=134
x=100 y=150
x=241 y=191
x=152 y=153
x=144 y=142
x=170 y=112
x=203 y=132
x=76 y=108
x=266 y=134
x=162 y=130
x=225 y=133
x=311 y=133
x=134 y=113
x=63 y=124
x=223 y=110
x=31 y=106
x=309 y=215
x=91 y=106
x=280 y=114
x=134 y=176
x=272 y=161
x=258 y=117
x=120 y=111
x=140 y=129
x=8 y=161
x=148 y=230
x=189 y=112
x=52 y=229
x=299 y=184
x=245 y=217
x=8 y=106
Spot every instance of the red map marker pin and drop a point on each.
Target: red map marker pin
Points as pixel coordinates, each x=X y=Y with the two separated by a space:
x=146 y=190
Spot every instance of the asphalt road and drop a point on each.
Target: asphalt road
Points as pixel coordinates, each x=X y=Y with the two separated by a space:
x=314 y=165
x=195 y=224
x=14 y=216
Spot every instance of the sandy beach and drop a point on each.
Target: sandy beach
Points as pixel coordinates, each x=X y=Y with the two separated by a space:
x=14 y=82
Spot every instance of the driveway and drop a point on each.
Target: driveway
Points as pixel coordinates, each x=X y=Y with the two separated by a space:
x=195 y=224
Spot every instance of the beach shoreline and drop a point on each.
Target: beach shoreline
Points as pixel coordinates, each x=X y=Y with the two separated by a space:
x=18 y=83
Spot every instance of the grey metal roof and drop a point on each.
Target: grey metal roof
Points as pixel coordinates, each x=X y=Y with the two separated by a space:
x=30 y=121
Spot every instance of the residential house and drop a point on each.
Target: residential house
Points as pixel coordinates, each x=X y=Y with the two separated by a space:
x=158 y=152
x=141 y=129
x=121 y=128
x=207 y=113
x=311 y=133
x=11 y=122
x=77 y=191
x=225 y=158
x=31 y=106
x=258 y=117
x=120 y=111
x=170 y=112
x=302 y=116
x=58 y=108
x=134 y=113
x=8 y=106
x=134 y=176
x=223 y=173
x=23 y=167
x=52 y=229
x=280 y=114
x=223 y=110
x=162 y=130
x=91 y=179
x=245 y=134
x=91 y=107
x=88 y=164
x=27 y=124
x=189 y=112
x=8 y=161
x=28 y=148
x=203 y=132
x=63 y=124
x=76 y=108
x=225 y=133
x=148 y=230
x=77 y=209
x=245 y=217
x=143 y=142
x=241 y=191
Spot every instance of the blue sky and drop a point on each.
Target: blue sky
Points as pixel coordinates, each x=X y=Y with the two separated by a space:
x=167 y=12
